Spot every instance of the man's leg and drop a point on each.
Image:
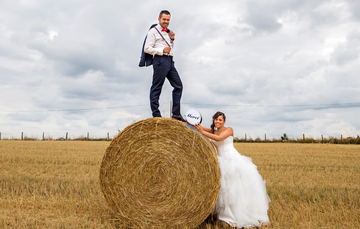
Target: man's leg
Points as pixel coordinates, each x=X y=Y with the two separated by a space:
x=160 y=71
x=175 y=81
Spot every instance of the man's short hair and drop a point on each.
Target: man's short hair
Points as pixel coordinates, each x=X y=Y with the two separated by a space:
x=164 y=12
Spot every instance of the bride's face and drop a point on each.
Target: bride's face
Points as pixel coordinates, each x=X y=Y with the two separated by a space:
x=219 y=122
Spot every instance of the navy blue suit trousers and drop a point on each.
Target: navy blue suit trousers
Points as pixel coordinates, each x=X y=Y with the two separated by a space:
x=164 y=68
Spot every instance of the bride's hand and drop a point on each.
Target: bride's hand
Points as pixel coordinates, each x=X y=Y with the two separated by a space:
x=199 y=127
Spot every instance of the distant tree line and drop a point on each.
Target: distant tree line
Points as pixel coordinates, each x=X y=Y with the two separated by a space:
x=285 y=138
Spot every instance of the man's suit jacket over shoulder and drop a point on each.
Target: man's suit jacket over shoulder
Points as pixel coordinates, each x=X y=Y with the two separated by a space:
x=146 y=59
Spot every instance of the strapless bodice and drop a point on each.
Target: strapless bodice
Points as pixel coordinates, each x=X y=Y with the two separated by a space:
x=225 y=145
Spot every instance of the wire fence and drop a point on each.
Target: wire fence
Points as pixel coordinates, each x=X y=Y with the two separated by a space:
x=246 y=138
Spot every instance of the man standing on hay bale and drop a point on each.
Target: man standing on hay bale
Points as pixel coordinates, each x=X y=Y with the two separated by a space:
x=160 y=43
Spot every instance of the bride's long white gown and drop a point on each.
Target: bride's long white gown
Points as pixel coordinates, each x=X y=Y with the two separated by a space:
x=242 y=200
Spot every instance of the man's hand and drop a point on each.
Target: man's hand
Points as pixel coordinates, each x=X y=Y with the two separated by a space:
x=172 y=35
x=166 y=50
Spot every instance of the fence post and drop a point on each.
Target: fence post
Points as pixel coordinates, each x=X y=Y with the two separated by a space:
x=304 y=137
x=322 y=138
x=341 y=137
x=107 y=136
x=22 y=135
x=66 y=138
x=43 y=136
x=245 y=137
x=265 y=136
x=87 y=138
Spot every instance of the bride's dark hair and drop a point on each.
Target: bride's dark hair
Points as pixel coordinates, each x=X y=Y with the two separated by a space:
x=215 y=116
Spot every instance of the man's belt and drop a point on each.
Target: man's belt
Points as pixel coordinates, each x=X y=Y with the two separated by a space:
x=165 y=55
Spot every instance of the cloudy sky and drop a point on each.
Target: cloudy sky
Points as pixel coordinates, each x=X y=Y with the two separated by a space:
x=274 y=67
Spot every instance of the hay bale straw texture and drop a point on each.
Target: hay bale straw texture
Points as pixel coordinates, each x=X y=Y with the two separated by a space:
x=160 y=173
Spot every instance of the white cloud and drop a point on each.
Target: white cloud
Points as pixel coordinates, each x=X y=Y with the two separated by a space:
x=273 y=67
x=347 y=51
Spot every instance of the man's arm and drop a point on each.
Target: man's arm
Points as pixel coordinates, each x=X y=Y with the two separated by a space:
x=150 y=43
x=172 y=38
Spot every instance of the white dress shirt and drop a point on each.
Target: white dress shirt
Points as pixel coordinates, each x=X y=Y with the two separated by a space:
x=155 y=44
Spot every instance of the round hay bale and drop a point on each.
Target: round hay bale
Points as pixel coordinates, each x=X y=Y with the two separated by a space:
x=160 y=173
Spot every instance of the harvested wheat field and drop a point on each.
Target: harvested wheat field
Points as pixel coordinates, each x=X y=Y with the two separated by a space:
x=55 y=184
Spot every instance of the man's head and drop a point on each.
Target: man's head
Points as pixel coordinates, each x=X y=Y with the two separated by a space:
x=164 y=18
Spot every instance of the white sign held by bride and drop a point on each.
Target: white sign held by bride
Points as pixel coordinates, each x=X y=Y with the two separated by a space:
x=192 y=116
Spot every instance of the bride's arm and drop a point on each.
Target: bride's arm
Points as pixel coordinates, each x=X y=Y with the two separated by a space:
x=207 y=129
x=229 y=131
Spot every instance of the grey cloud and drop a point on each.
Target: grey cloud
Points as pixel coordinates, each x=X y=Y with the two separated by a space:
x=343 y=55
x=86 y=39
x=354 y=7
x=74 y=57
x=348 y=51
x=289 y=55
x=200 y=33
x=28 y=117
x=263 y=16
x=263 y=22
x=88 y=88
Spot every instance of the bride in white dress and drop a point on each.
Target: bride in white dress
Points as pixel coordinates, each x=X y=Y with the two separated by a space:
x=242 y=200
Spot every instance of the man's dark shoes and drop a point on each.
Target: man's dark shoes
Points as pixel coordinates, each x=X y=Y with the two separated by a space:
x=179 y=118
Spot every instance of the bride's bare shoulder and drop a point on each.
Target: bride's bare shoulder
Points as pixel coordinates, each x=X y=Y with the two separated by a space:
x=230 y=131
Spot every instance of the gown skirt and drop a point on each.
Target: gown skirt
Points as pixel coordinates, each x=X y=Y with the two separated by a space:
x=242 y=199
